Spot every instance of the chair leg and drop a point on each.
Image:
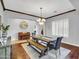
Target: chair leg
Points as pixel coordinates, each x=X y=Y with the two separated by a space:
x=59 y=52
x=47 y=50
x=56 y=54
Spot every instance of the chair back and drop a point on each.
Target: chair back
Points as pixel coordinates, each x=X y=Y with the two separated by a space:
x=58 y=43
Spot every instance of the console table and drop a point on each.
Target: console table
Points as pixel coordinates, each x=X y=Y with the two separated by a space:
x=5 y=51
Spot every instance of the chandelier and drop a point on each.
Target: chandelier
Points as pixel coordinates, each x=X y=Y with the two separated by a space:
x=41 y=19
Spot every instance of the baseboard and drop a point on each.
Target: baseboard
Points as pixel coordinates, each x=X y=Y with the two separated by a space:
x=71 y=44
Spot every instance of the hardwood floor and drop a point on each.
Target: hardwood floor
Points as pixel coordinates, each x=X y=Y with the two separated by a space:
x=19 y=53
x=74 y=54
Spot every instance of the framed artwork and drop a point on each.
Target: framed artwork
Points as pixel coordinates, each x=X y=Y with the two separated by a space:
x=23 y=24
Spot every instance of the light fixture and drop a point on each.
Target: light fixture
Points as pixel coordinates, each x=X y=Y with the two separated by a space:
x=41 y=19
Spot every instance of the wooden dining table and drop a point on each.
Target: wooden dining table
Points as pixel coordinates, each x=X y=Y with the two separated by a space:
x=42 y=38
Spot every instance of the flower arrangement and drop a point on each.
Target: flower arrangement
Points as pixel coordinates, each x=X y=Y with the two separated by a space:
x=5 y=28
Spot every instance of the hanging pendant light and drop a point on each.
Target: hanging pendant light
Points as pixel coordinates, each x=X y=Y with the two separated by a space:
x=41 y=19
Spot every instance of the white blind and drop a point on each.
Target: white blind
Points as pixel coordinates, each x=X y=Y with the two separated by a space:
x=60 y=27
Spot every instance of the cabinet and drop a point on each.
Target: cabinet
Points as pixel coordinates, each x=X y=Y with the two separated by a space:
x=23 y=35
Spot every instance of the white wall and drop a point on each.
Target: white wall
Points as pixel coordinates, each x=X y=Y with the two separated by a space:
x=13 y=19
x=73 y=17
x=1 y=16
x=1 y=9
x=15 y=26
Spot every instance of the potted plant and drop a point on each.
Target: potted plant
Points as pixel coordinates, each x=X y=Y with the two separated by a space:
x=4 y=30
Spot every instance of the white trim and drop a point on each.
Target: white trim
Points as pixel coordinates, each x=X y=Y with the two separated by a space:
x=71 y=44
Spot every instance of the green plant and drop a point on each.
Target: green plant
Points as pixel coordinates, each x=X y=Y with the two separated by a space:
x=5 y=28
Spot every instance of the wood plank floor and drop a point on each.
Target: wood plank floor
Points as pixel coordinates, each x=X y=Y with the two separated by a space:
x=74 y=54
x=19 y=53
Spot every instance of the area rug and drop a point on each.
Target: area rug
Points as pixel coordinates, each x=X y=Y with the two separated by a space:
x=50 y=55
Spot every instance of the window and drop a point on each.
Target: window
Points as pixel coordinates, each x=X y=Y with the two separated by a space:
x=60 y=27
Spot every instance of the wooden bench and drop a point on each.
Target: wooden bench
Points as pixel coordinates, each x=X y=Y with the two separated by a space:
x=41 y=47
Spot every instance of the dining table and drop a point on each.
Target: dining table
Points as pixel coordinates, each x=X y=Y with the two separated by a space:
x=42 y=38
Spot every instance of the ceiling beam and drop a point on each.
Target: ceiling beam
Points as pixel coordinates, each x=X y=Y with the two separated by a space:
x=5 y=9
x=21 y=13
x=61 y=13
x=3 y=5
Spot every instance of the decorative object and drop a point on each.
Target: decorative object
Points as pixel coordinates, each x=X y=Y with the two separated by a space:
x=34 y=33
x=23 y=24
x=41 y=19
x=4 y=30
x=42 y=33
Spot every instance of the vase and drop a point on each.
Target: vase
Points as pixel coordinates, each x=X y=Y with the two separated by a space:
x=4 y=37
x=42 y=32
x=4 y=41
x=4 y=34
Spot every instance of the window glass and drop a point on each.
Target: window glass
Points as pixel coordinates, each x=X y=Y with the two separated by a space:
x=60 y=27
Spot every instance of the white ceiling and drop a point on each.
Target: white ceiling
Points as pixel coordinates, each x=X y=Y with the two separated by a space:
x=50 y=7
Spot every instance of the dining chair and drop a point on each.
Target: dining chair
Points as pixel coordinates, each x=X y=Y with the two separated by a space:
x=55 y=45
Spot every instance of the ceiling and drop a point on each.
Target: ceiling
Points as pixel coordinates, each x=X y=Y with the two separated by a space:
x=50 y=7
